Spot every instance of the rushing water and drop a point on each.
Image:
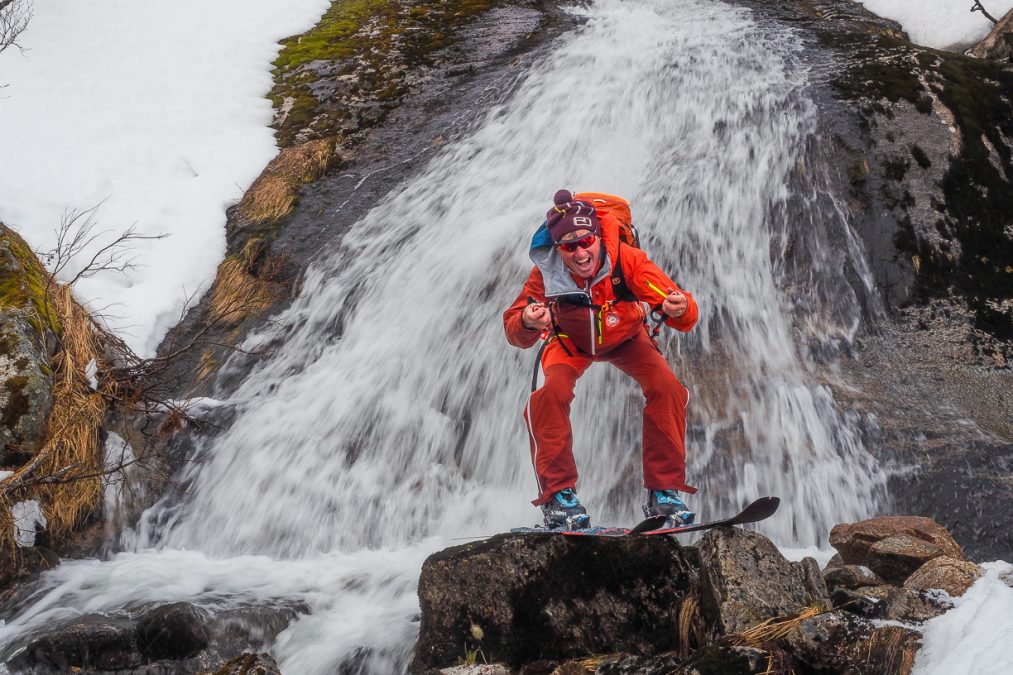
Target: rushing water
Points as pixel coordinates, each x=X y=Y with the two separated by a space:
x=388 y=421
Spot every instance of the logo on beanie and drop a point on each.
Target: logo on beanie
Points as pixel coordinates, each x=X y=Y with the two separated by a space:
x=582 y=221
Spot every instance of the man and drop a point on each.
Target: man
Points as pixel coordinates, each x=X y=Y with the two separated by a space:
x=585 y=293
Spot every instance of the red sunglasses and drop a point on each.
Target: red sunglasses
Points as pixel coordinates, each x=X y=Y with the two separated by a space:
x=584 y=242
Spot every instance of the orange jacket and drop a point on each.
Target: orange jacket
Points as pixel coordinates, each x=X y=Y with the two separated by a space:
x=601 y=323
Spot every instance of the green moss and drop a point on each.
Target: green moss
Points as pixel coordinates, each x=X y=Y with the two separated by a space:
x=25 y=283
x=375 y=41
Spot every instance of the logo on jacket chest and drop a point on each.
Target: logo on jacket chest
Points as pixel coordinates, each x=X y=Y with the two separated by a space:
x=611 y=320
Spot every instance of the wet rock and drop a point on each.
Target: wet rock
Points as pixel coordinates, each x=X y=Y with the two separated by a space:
x=998 y=44
x=834 y=562
x=851 y=577
x=524 y=598
x=945 y=573
x=889 y=603
x=250 y=664
x=174 y=631
x=837 y=642
x=855 y=540
x=896 y=558
x=88 y=644
x=744 y=580
x=26 y=336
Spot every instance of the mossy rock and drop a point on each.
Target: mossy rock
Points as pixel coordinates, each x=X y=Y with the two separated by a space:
x=27 y=333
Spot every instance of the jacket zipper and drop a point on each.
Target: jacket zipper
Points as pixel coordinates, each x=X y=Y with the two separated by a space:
x=590 y=316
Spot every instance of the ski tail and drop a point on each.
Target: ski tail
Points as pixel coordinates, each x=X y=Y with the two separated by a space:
x=761 y=509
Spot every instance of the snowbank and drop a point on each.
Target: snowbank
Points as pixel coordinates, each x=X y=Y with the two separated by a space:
x=154 y=110
x=973 y=638
x=941 y=24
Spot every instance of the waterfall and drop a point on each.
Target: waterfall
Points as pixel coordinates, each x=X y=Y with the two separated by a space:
x=387 y=422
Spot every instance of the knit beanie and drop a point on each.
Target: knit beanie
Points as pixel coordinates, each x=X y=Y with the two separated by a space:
x=569 y=215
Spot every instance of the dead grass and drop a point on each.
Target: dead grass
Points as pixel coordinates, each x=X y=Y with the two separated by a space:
x=691 y=626
x=71 y=452
x=273 y=195
x=244 y=284
x=775 y=629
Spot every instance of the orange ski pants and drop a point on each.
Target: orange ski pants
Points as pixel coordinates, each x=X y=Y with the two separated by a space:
x=548 y=416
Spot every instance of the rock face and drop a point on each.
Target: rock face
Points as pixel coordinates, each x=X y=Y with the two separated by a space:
x=998 y=44
x=90 y=644
x=946 y=573
x=888 y=603
x=745 y=580
x=851 y=577
x=894 y=546
x=837 y=642
x=523 y=598
x=25 y=341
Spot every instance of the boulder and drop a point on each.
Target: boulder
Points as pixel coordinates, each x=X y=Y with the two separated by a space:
x=26 y=338
x=91 y=643
x=250 y=664
x=745 y=580
x=896 y=558
x=850 y=577
x=530 y=597
x=855 y=540
x=946 y=573
x=175 y=631
x=889 y=603
x=838 y=642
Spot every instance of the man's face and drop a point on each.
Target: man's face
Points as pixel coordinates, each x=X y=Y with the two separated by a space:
x=583 y=259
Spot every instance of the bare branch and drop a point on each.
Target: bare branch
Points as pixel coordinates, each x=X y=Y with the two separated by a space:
x=976 y=7
x=15 y=16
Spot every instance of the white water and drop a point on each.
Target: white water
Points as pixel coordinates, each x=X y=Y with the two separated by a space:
x=388 y=422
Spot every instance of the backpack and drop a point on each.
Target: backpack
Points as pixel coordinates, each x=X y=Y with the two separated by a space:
x=620 y=209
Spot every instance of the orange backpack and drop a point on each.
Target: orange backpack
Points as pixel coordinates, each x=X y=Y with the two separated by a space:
x=618 y=207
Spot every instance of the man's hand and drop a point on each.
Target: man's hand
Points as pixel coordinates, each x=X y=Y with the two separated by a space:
x=536 y=317
x=675 y=304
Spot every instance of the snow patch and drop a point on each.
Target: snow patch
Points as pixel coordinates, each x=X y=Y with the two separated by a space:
x=940 y=24
x=156 y=111
x=27 y=518
x=973 y=637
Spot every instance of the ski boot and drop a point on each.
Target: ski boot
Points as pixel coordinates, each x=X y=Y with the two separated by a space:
x=668 y=503
x=565 y=512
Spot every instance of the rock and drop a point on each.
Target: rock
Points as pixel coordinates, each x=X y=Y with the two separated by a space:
x=93 y=643
x=523 y=598
x=744 y=580
x=888 y=602
x=26 y=337
x=850 y=577
x=250 y=664
x=175 y=631
x=998 y=44
x=834 y=562
x=896 y=558
x=946 y=573
x=853 y=541
x=478 y=669
x=837 y=642
x=709 y=660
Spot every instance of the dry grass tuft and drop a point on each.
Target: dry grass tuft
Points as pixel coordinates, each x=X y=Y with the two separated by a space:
x=273 y=195
x=691 y=626
x=70 y=455
x=775 y=629
x=243 y=285
x=890 y=650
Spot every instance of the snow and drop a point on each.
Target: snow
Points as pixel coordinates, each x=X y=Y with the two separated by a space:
x=155 y=113
x=27 y=516
x=973 y=637
x=941 y=24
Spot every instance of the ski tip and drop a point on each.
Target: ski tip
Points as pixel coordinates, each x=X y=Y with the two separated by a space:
x=762 y=508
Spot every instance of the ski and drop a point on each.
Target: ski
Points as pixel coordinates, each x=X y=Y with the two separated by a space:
x=643 y=527
x=761 y=509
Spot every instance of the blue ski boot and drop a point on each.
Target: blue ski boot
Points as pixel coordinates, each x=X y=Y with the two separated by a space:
x=565 y=512
x=668 y=503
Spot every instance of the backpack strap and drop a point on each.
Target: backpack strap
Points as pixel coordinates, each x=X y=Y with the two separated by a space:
x=619 y=286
